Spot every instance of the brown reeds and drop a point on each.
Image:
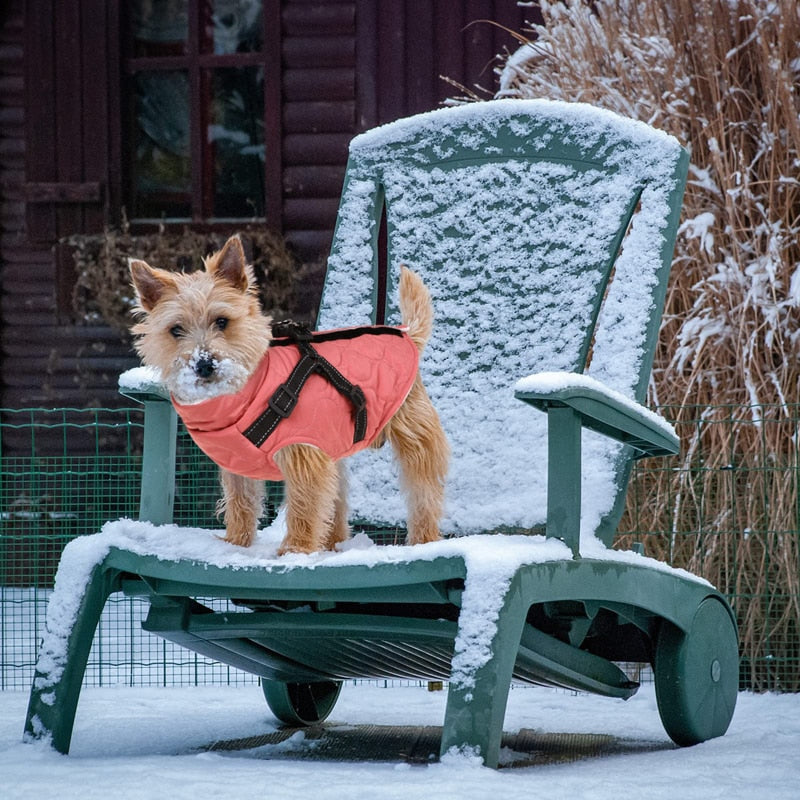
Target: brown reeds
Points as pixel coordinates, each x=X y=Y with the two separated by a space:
x=723 y=76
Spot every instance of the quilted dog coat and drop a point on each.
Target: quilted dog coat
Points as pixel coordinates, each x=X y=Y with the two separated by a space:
x=230 y=429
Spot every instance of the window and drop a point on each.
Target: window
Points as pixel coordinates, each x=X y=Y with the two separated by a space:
x=197 y=140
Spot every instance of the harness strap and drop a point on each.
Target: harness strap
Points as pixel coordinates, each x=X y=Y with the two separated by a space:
x=285 y=397
x=288 y=332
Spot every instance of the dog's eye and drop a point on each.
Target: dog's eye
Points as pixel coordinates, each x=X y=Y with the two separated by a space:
x=221 y=323
x=176 y=331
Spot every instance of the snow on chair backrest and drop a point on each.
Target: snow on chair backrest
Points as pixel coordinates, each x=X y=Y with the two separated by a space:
x=513 y=212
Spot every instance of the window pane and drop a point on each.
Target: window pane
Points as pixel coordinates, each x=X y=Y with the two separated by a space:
x=159 y=27
x=233 y=26
x=161 y=165
x=236 y=142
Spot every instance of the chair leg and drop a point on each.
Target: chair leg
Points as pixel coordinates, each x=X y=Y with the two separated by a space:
x=62 y=663
x=476 y=707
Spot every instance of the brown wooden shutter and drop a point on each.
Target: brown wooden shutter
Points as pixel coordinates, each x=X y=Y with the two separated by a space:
x=67 y=74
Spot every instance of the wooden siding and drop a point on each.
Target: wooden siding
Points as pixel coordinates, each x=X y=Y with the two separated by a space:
x=406 y=47
x=319 y=116
x=345 y=65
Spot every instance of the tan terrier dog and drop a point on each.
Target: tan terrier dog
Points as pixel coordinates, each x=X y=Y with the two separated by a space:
x=206 y=334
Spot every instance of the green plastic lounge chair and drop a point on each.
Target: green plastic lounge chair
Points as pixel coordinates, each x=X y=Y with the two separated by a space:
x=545 y=232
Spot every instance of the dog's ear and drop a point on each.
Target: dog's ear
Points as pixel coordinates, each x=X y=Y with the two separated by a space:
x=150 y=284
x=230 y=265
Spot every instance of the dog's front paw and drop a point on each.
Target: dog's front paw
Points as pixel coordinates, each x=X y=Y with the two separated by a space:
x=423 y=533
x=242 y=538
x=287 y=548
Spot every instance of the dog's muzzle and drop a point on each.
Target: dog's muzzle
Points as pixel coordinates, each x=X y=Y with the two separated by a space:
x=204 y=366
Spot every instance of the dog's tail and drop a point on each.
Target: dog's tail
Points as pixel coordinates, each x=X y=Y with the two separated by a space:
x=416 y=308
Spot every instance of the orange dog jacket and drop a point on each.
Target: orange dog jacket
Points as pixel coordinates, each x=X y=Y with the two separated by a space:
x=336 y=390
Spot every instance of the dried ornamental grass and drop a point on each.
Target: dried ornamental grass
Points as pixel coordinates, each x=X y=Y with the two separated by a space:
x=723 y=77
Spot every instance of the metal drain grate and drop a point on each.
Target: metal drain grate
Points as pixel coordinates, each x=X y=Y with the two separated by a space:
x=420 y=745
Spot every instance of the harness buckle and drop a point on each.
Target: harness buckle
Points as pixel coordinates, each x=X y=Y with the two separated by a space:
x=283 y=401
x=294 y=331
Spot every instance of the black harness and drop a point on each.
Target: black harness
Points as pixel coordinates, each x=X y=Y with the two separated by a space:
x=285 y=397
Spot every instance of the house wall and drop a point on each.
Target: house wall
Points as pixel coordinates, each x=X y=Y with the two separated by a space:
x=346 y=65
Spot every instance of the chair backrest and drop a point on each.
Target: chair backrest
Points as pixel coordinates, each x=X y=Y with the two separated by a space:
x=545 y=232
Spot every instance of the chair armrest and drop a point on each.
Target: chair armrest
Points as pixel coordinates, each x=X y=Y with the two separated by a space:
x=143 y=385
x=574 y=402
x=159 y=447
x=601 y=409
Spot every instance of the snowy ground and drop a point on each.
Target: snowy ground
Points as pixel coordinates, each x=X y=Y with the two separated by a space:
x=148 y=743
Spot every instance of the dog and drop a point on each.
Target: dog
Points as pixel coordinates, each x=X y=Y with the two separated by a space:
x=206 y=333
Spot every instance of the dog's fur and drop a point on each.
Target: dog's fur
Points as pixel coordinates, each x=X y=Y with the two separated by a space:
x=206 y=333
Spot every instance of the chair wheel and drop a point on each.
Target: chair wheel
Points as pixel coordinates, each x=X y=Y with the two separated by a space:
x=697 y=675
x=301 y=703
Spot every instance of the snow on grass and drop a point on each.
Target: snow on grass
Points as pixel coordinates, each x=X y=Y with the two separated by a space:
x=139 y=744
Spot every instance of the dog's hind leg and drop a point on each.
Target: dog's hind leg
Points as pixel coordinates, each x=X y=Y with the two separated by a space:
x=421 y=448
x=242 y=505
x=312 y=488
x=340 y=529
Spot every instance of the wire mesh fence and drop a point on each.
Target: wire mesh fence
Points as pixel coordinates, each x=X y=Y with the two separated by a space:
x=64 y=473
x=728 y=509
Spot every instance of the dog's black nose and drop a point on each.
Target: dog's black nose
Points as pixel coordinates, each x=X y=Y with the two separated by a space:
x=204 y=368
